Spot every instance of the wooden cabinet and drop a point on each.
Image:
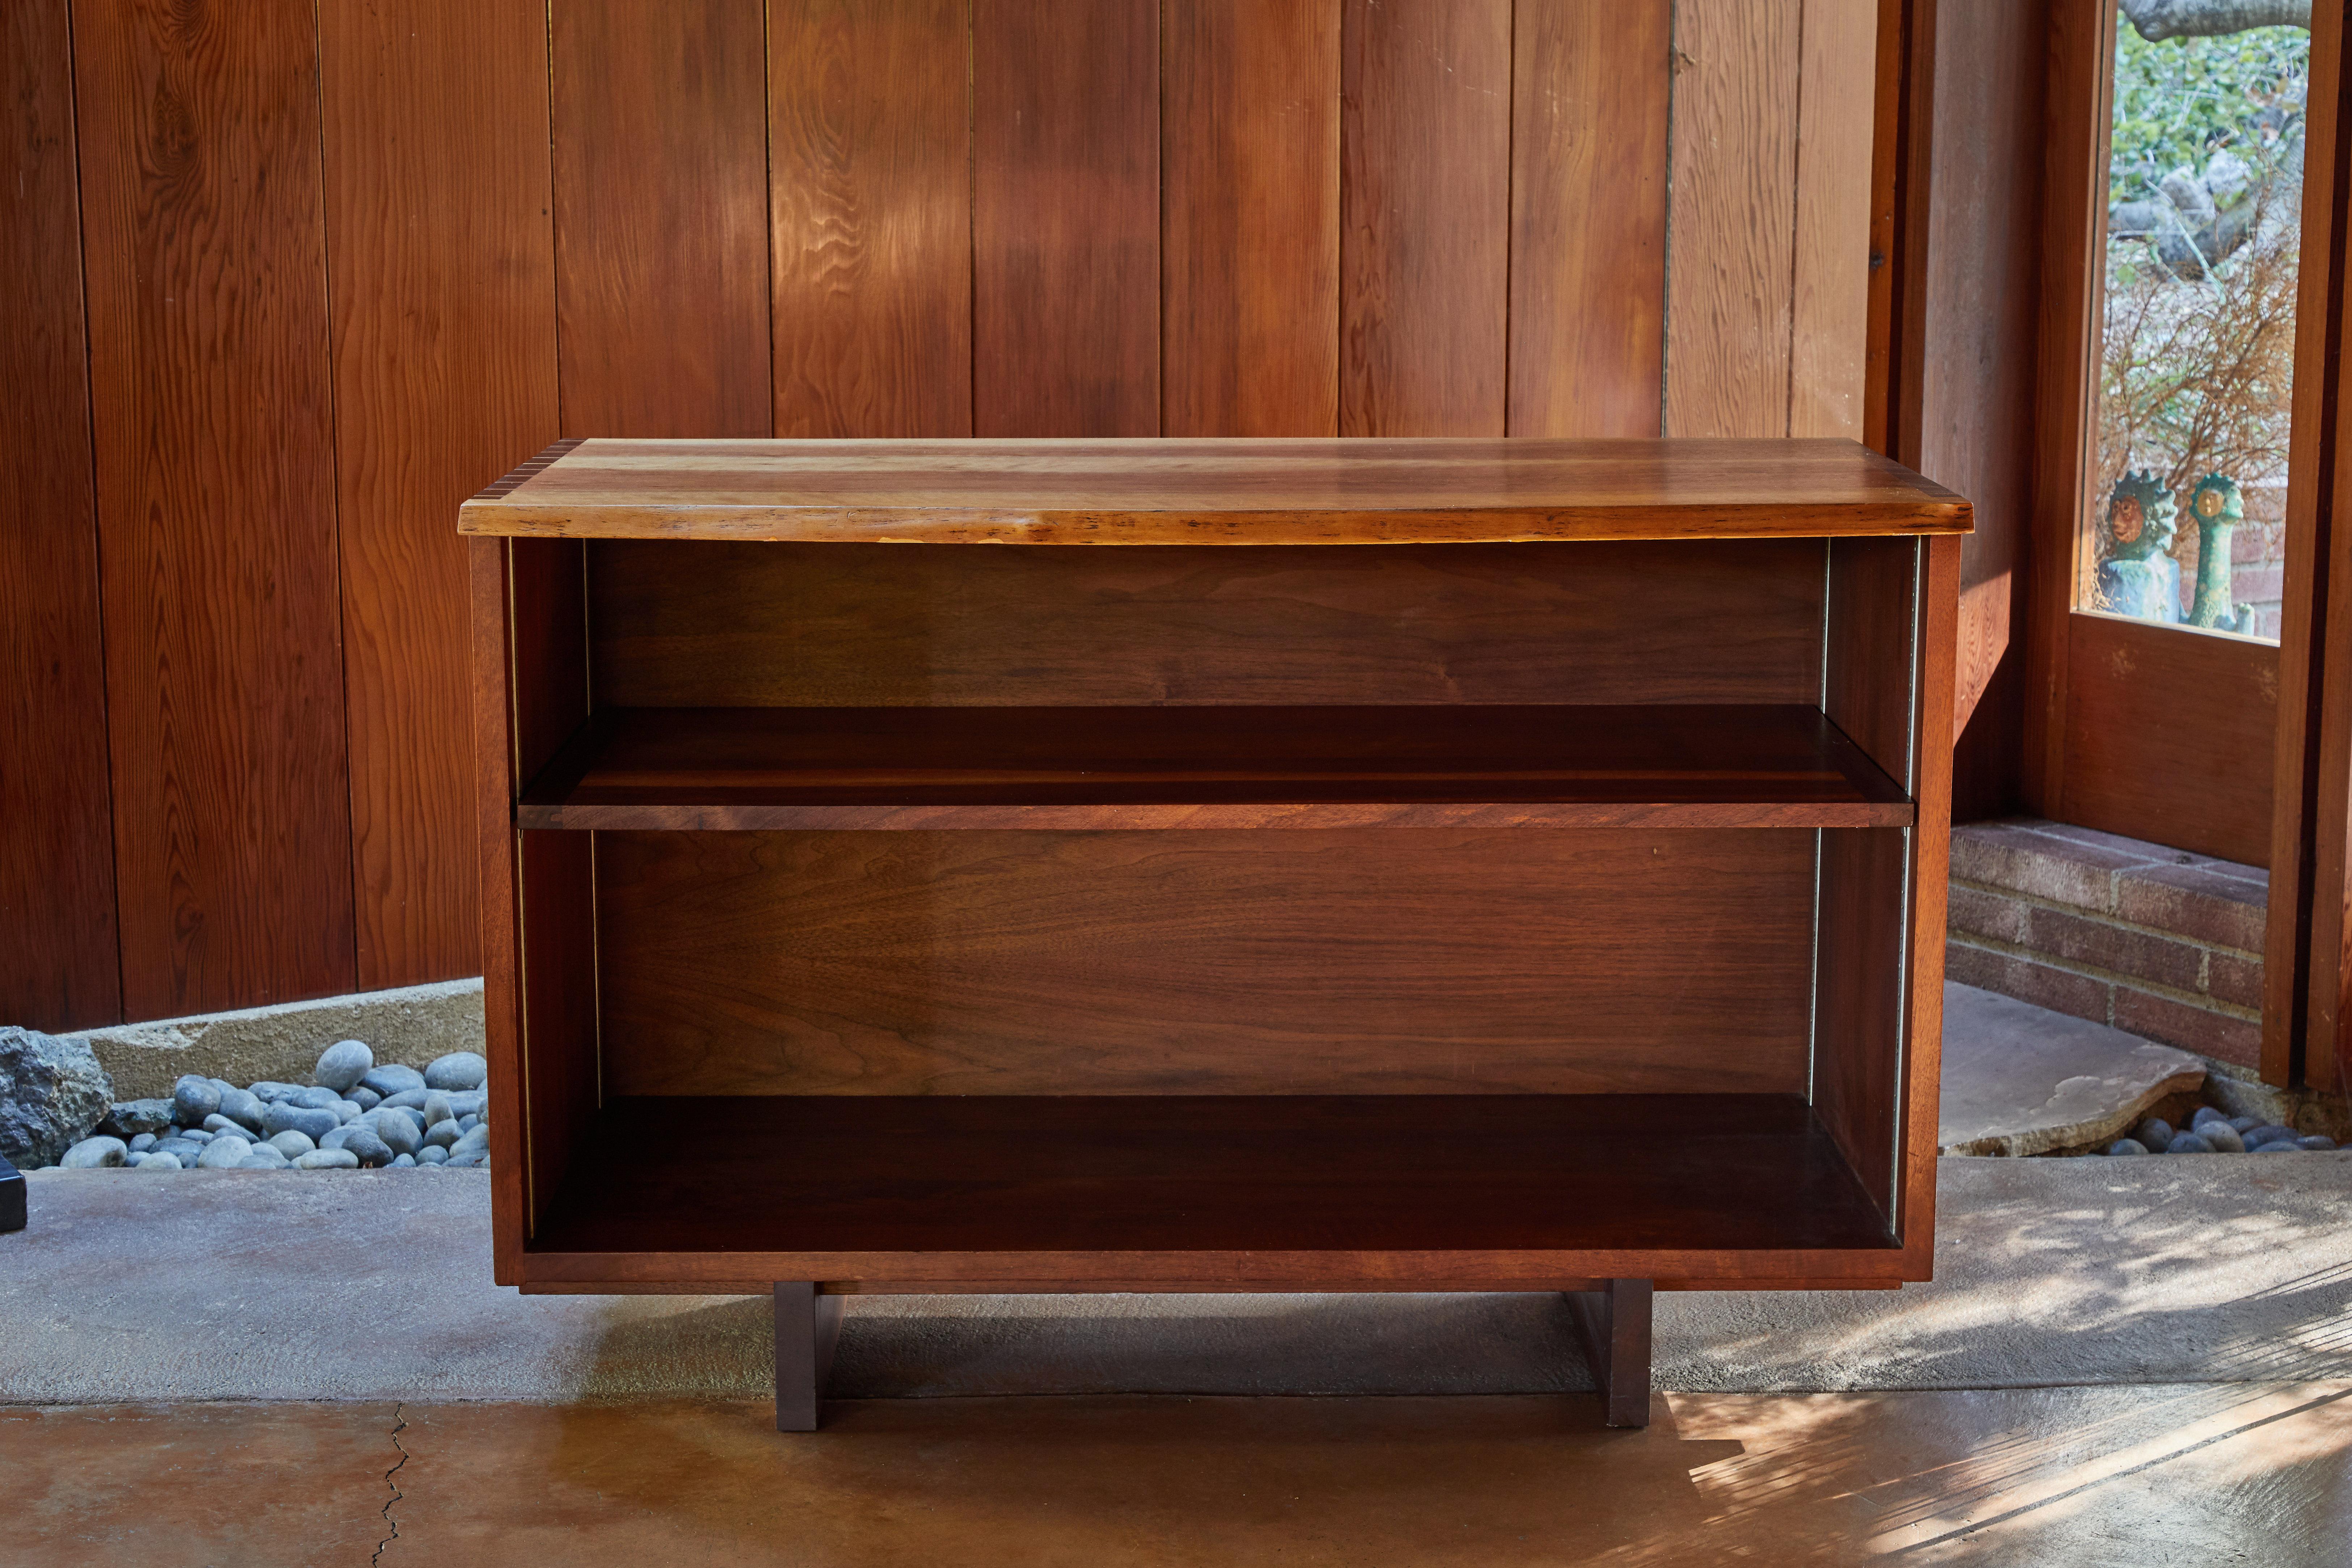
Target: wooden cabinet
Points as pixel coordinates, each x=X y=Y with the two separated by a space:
x=1212 y=865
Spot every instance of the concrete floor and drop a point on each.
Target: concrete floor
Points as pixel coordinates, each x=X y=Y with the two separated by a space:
x=376 y=1285
x=2252 y=1474
x=230 y=1375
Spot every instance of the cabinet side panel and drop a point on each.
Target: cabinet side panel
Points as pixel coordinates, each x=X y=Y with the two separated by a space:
x=555 y=938
x=714 y=625
x=1859 y=1013
x=1871 y=672
x=1931 y=858
x=1871 y=665
x=558 y=1049
x=1523 y=959
x=491 y=662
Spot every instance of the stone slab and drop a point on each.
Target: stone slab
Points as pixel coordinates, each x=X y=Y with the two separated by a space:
x=2020 y=1079
x=376 y=1285
x=410 y=1026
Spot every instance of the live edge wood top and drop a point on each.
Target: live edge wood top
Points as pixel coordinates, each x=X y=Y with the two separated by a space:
x=1211 y=491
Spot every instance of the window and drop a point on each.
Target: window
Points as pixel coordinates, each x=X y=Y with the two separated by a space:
x=2187 y=516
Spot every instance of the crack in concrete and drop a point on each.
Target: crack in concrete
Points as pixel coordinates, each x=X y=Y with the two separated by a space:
x=400 y=1425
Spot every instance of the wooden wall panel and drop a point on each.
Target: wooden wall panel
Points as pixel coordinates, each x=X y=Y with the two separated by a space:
x=58 y=961
x=947 y=624
x=332 y=256
x=1589 y=101
x=1829 y=298
x=441 y=265
x=1424 y=216
x=1066 y=218
x=1013 y=962
x=1250 y=242
x=2134 y=691
x=1977 y=373
x=2307 y=968
x=660 y=133
x=869 y=138
x=1730 y=312
x=216 y=483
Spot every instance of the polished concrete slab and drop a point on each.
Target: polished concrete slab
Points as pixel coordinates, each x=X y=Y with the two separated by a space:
x=2147 y=1477
x=376 y=1285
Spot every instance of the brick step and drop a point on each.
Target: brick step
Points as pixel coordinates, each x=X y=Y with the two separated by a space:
x=2144 y=938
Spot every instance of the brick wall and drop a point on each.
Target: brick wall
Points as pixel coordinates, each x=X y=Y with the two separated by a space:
x=2157 y=942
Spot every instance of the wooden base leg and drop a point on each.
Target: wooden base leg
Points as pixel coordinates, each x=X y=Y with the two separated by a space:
x=808 y=1326
x=1614 y=1322
x=12 y=1198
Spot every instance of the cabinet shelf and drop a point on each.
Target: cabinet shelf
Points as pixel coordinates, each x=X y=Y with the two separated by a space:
x=878 y=1177
x=1778 y=765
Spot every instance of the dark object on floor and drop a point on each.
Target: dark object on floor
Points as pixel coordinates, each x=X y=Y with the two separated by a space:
x=1615 y=1323
x=808 y=1327
x=11 y=1196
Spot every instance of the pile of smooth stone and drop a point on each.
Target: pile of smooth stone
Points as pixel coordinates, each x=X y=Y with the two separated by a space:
x=2210 y=1133
x=353 y=1113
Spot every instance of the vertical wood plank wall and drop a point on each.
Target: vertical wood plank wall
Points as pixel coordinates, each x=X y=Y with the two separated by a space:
x=337 y=268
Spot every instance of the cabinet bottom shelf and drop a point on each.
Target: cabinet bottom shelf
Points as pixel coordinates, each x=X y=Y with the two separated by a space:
x=926 y=1182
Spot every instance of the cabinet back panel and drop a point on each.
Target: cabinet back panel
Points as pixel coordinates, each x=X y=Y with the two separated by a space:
x=1511 y=961
x=701 y=624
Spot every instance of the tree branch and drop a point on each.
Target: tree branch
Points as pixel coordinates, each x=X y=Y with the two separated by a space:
x=2157 y=20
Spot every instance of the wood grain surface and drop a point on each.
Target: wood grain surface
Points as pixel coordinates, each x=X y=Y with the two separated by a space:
x=1125 y=768
x=659 y=126
x=1066 y=218
x=1859 y=1029
x=1918 y=1081
x=1829 y=329
x=1250 y=226
x=443 y=288
x=2171 y=730
x=1729 y=314
x=2306 y=970
x=1424 y=215
x=1590 y=87
x=208 y=347
x=1528 y=960
x=979 y=1185
x=2067 y=331
x=870 y=146
x=555 y=914
x=490 y=664
x=59 y=967
x=2306 y=973
x=1870 y=665
x=1980 y=424
x=796 y=626
x=1229 y=490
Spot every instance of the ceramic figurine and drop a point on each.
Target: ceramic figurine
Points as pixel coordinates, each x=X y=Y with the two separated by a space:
x=2218 y=507
x=2137 y=575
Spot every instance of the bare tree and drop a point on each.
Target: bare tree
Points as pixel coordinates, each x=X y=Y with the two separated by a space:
x=2157 y=20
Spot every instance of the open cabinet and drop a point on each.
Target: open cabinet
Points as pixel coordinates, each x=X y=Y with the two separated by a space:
x=1274 y=865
